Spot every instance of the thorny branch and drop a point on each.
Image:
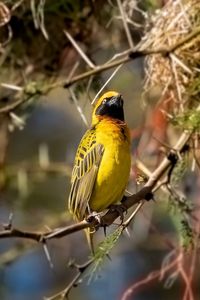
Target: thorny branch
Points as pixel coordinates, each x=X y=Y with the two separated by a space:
x=111 y=215
x=108 y=218
x=80 y=269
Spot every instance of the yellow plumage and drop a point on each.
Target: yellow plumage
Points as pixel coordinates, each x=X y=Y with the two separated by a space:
x=102 y=163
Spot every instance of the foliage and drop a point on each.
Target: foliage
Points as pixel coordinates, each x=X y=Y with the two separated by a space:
x=180 y=206
x=188 y=120
x=103 y=251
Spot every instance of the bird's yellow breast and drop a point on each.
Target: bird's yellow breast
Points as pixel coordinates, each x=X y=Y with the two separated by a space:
x=114 y=170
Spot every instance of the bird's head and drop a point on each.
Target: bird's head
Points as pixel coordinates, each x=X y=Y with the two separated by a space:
x=110 y=105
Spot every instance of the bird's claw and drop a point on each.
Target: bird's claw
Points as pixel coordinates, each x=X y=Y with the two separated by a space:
x=120 y=209
x=94 y=217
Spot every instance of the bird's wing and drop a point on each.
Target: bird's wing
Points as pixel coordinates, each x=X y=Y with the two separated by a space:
x=87 y=161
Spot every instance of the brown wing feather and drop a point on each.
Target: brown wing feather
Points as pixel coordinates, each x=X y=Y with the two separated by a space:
x=87 y=161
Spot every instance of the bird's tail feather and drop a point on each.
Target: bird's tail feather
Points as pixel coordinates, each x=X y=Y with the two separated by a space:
x=90 y=239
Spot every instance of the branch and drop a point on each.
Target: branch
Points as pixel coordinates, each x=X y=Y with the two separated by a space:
x=111 y=214
x=79 y=50
x=80 y=269
x=13 y=232
x=128 y=56
x=156 y=274
x=126 y=28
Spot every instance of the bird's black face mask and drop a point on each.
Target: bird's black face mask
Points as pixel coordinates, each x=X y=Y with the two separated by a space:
x=111 y=107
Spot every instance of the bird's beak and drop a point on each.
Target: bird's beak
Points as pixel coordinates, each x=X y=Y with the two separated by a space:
x=116 y=101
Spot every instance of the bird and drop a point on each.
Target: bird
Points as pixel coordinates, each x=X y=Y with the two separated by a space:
x=102 y=162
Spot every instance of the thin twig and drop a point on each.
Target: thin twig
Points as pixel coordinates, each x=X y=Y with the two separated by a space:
x=79 y=50
x=106 y=83
x=80 y=270
x=151 y=277
x=11 y=86
x=125 y=23
x=75 y=100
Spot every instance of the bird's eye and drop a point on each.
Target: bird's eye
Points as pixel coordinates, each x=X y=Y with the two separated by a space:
x=104 y=101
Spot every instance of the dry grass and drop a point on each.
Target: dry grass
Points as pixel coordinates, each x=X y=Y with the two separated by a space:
x=178 y=76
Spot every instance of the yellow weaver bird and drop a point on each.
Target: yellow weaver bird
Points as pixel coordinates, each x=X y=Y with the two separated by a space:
x=102 y=162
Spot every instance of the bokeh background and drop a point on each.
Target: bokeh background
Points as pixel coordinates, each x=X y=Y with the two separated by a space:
x=39 y=148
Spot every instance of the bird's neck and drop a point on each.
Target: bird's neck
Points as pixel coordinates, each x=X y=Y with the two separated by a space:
x=112 y=126
x=107 y=119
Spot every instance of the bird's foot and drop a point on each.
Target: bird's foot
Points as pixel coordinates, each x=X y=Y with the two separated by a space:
x=94 y=218
x=123 y=205
x=120 y=209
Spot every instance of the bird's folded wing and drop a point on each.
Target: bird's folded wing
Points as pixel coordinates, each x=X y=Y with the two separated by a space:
x=83 y=177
